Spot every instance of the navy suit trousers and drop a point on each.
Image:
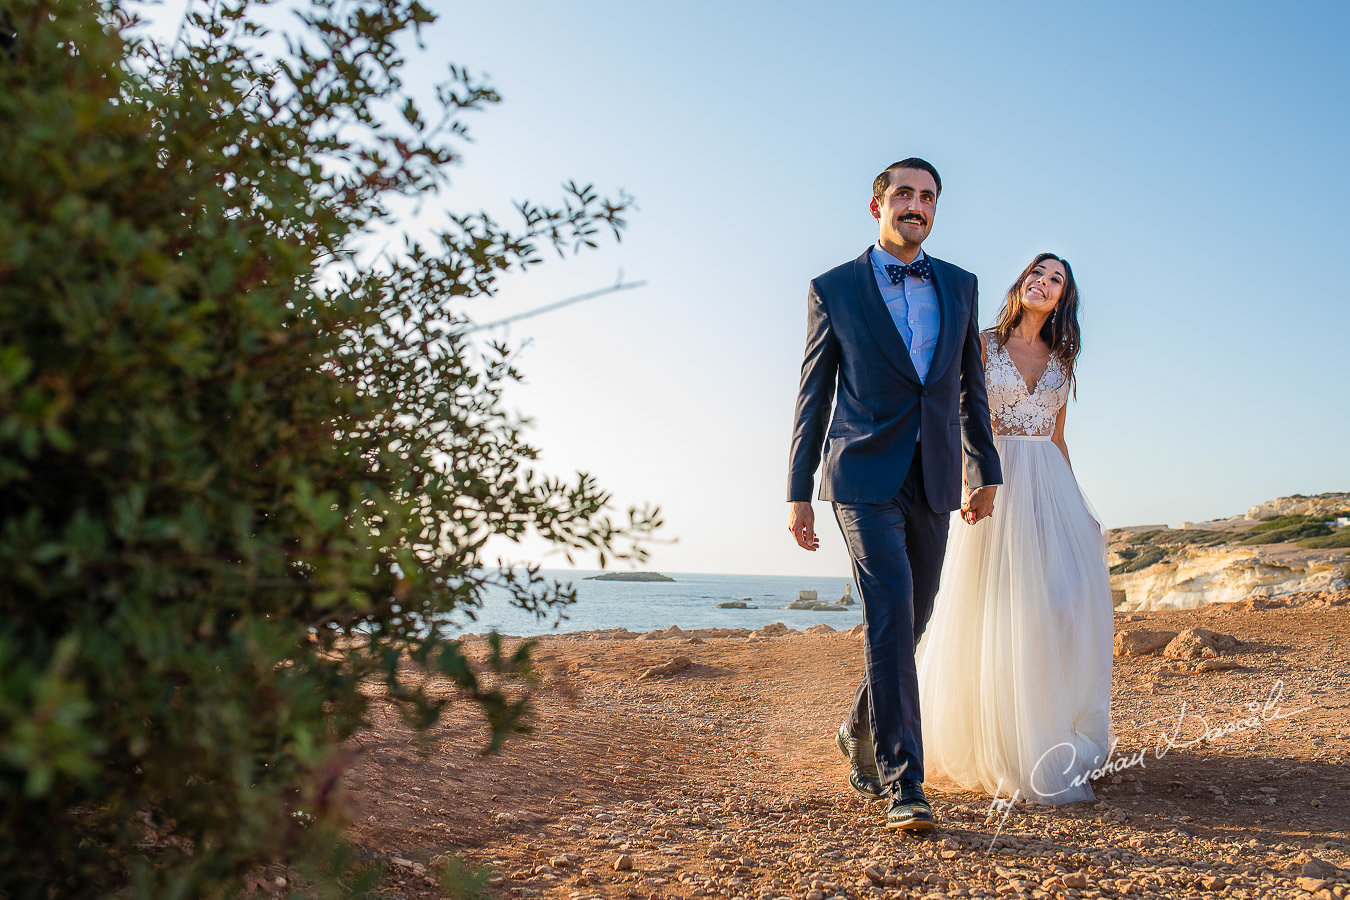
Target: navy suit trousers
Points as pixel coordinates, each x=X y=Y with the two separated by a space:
x=897 y=550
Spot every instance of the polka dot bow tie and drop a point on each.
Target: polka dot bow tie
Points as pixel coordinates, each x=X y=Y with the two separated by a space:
x=920 y=268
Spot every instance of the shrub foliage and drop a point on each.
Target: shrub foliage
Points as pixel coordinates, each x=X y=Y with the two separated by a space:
x=1337 y=539
x=245 y=459
x=1137 y=558
x=1281 y=529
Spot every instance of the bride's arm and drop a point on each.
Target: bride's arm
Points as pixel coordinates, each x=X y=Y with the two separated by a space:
x=965 y=487
x=1058 y=436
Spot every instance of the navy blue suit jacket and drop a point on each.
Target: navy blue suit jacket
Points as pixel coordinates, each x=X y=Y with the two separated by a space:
x=857 y=361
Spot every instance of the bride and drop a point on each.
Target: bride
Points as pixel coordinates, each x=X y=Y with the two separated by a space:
x=1015 y=666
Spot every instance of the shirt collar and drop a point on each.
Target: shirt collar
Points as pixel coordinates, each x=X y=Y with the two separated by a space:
x=880 y=257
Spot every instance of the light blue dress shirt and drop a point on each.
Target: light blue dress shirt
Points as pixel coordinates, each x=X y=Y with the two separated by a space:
x=913 y=304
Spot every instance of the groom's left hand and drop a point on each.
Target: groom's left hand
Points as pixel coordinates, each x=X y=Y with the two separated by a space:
x=979 y=505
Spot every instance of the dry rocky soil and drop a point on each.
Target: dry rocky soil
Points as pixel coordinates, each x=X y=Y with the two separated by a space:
x=720 y=777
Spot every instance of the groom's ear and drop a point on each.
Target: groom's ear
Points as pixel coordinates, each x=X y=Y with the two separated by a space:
x=876 y=210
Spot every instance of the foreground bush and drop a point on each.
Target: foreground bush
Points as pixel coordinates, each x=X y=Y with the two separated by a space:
x=245 y=461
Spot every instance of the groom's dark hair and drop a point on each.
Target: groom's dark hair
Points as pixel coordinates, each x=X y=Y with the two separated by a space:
x=883 y=181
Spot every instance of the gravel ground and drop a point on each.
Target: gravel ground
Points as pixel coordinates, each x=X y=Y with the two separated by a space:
x=719 y=777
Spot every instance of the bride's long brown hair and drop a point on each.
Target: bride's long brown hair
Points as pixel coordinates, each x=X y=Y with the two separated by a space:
x=1060 y=330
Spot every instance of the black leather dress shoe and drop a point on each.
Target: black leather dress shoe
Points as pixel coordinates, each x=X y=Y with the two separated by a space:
x=862 y=764
x=909 y=809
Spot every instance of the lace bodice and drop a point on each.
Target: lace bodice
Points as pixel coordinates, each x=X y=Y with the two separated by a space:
x=1012 y=409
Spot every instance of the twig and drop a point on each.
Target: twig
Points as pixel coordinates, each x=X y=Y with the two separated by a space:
x=619 y=286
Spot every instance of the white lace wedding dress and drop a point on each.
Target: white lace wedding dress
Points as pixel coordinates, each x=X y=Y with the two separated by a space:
x=1015 y=664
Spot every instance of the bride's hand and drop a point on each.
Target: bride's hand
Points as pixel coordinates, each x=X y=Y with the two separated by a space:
x=979 y=505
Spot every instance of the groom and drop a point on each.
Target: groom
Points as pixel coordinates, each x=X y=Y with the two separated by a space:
x=894 y=334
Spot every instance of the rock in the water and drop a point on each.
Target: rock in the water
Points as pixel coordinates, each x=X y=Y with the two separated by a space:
x=629 y=576
x=735 y=604
x=809 y=600
x=668 y=668
x=1142 y=642
x=847 y=599
x=1199 y=643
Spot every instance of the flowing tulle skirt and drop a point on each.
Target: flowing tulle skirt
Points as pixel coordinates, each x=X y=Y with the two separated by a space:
x=1015 y=665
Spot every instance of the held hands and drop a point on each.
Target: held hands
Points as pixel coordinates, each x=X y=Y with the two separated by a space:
x=802 y=524
x=979 y=504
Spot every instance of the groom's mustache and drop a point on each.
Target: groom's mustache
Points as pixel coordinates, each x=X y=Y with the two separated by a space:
x=912 y=217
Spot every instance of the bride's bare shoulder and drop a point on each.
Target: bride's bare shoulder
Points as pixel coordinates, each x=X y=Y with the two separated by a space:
x=988 y=338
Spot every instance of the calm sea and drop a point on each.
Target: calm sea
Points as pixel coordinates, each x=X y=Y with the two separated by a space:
x=690 y=601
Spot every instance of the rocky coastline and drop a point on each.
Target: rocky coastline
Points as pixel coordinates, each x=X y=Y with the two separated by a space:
x=1266 y=551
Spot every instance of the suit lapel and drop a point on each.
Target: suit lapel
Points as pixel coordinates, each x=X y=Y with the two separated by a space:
x=879 y=320
x=949 y=332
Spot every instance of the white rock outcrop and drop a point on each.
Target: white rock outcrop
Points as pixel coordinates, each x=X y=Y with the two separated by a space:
x=1318 y=505
x=1194 y=576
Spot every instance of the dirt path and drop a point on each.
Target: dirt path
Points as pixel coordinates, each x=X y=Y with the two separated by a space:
x=722 y=780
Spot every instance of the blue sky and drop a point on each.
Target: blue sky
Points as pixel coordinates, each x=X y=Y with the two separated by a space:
x=1187 y=158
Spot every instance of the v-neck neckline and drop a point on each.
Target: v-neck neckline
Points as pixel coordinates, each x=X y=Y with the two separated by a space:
x=1036 y=385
